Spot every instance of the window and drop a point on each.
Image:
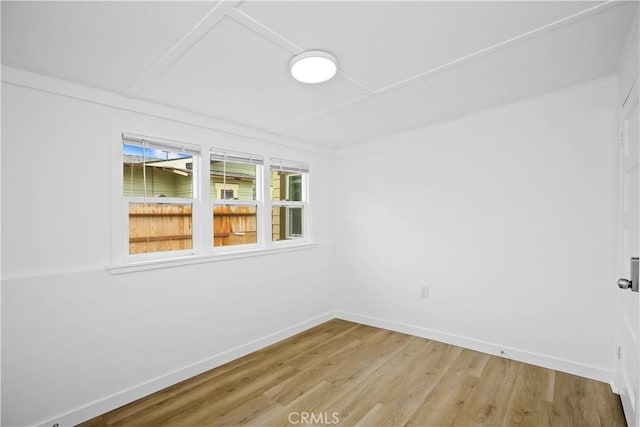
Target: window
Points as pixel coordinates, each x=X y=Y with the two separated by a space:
x=235 y=179
x=226 y=194
x=184 y=203
x=288 y=199
x=159 y=190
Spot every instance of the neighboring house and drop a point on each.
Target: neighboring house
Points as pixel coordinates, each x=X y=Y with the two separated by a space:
x=171 y=178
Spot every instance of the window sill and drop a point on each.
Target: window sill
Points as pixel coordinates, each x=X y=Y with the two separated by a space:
x=200 y=259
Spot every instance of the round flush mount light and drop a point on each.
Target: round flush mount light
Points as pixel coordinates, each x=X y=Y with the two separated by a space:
x=314 y=66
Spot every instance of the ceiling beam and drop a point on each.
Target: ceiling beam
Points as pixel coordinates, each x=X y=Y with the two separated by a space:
x=265 y=32
x=490 y=49
x=215 y=15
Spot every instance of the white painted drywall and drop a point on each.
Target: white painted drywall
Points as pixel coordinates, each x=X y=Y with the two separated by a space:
x=509 y=216
x=72 y=333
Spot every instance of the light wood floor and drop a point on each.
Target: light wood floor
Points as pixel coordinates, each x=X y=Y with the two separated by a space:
x=359 y=375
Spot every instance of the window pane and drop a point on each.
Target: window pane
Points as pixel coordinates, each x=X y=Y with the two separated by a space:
x=230 y=180
x=286 y=222
x=159 y=227
x=234 y=225
x=286 y=186
x=294 y=188
x=166 y=173
x=295 y=221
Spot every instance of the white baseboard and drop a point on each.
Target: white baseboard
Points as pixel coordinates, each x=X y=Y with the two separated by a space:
x=123 y=397
x=532 y=358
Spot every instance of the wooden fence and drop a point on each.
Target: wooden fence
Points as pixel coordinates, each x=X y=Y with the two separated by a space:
x=158 y=228
x=234 y=225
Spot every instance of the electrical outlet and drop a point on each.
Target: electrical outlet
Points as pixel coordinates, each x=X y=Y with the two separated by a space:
x=424 y=291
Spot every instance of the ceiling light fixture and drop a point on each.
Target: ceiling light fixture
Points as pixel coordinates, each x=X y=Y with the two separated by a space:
x=313 y=66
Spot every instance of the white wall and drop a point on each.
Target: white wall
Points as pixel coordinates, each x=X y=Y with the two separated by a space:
x=629 y=61
x=72 y=333
x=508 y=215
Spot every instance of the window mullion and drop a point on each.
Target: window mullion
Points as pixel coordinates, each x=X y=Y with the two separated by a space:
x=125 y=228
x=260 y=215
x=205 y=210
x=306 y=213
x=268 y=204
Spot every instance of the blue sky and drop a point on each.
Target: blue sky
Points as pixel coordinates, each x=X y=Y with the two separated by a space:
x=152 y=153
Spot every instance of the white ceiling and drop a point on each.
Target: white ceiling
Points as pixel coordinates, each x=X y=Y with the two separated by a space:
x=402 y=65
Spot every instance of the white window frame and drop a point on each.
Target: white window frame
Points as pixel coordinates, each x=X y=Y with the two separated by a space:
x=194 y=200
x=277 y=164
x=203 y=250
x=258 y=202
x=290 y=224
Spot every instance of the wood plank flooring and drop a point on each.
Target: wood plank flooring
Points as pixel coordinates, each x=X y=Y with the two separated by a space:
x=346 y=374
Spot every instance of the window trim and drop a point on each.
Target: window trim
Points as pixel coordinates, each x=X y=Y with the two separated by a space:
x=202 y=250
x=201 y=259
